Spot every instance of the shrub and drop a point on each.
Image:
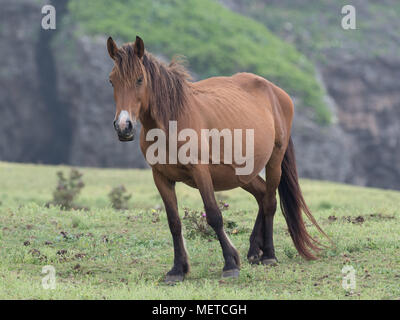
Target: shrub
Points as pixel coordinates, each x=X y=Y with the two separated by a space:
x=119 y=198
x=196 y=224
x=68 y=189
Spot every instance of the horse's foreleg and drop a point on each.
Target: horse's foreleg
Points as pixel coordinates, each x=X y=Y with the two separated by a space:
x=167 y=192
x=257 y=188
x=202 y=178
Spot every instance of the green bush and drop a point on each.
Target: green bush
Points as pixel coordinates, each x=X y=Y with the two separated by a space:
x=119 y=198
x=67 y=189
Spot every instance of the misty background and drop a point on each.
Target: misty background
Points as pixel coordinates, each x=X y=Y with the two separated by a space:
x=57 y=107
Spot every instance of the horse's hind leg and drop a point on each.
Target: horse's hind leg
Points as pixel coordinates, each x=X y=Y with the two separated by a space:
x=273 y=171
x=167 y=192
x=202 y=178
x=257 y=188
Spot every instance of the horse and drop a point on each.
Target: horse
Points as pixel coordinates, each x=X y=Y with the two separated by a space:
x=155 y=94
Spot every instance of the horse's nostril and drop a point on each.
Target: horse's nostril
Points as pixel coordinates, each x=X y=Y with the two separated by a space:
x=115 y=124
x=129 y=125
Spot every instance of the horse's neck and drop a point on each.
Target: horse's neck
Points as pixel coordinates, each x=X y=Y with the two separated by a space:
x=147 y=121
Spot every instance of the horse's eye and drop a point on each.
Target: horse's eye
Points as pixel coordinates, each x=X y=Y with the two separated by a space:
x=111 y=83
x=139 y=81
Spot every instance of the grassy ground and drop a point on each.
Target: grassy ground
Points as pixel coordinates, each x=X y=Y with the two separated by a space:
x=113 y=254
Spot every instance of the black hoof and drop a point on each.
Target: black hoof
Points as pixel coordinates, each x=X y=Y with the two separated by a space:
x=234 y=273
x=270 y=262
x=173 y=278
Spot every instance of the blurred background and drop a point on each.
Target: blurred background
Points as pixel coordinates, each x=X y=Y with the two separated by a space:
x=56 y=104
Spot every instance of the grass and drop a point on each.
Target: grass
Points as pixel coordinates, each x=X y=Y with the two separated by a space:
x=111 y=254
x=215 y=40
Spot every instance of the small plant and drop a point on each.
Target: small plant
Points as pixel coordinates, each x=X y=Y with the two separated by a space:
x=289 y=252
x=223 y=205
x=119 y=198
x=155 y=215
x=68 y=189
x=196 y=224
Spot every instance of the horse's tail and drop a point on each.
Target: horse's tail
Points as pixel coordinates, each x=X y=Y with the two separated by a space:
x=292 y=205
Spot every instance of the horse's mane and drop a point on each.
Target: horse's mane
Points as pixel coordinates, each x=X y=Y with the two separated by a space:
x=168 y=83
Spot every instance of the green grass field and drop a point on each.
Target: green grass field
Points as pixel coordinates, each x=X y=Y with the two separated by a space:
x=111 y=254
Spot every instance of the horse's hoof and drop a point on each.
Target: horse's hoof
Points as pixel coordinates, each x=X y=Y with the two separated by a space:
x=234 y=273
x=173 y=278
x=254 y=259
x=270 y=262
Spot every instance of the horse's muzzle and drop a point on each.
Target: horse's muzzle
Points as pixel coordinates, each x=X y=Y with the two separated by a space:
x=126 y=138
x=125 y=130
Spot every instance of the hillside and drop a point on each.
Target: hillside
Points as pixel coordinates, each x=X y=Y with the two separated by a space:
x=359 y=68
x=103 y=253
x=215 y=41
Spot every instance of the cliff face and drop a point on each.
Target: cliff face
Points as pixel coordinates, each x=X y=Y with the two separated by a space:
x=367 y=92
x=56 y=104
x=24 y=129
x=360 y=70
x=54 y=93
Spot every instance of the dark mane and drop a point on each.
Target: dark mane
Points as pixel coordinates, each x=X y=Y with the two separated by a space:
x=168 y=84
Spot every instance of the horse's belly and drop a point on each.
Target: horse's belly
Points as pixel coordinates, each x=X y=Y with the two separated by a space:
x=225 y=177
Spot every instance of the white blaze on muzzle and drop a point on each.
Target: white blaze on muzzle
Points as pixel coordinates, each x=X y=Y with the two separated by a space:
x=123 y=119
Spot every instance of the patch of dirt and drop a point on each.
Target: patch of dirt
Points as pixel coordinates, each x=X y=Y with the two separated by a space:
x=362 y=218
x=382 y=216
x=64 y=234
x=77 y=266
x=80 y=255
x=357 y=220
x=36 y=253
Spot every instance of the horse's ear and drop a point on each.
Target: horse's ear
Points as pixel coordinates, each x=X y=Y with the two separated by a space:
x=139 y=47
x=112 y=48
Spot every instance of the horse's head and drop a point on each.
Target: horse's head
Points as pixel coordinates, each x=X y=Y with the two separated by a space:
x=129 y=80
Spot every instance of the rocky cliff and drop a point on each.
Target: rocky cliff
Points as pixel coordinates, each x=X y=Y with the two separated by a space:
x=361 y=72
x=56 y=105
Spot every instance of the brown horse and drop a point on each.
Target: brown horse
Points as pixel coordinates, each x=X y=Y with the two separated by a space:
x=155 y=94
